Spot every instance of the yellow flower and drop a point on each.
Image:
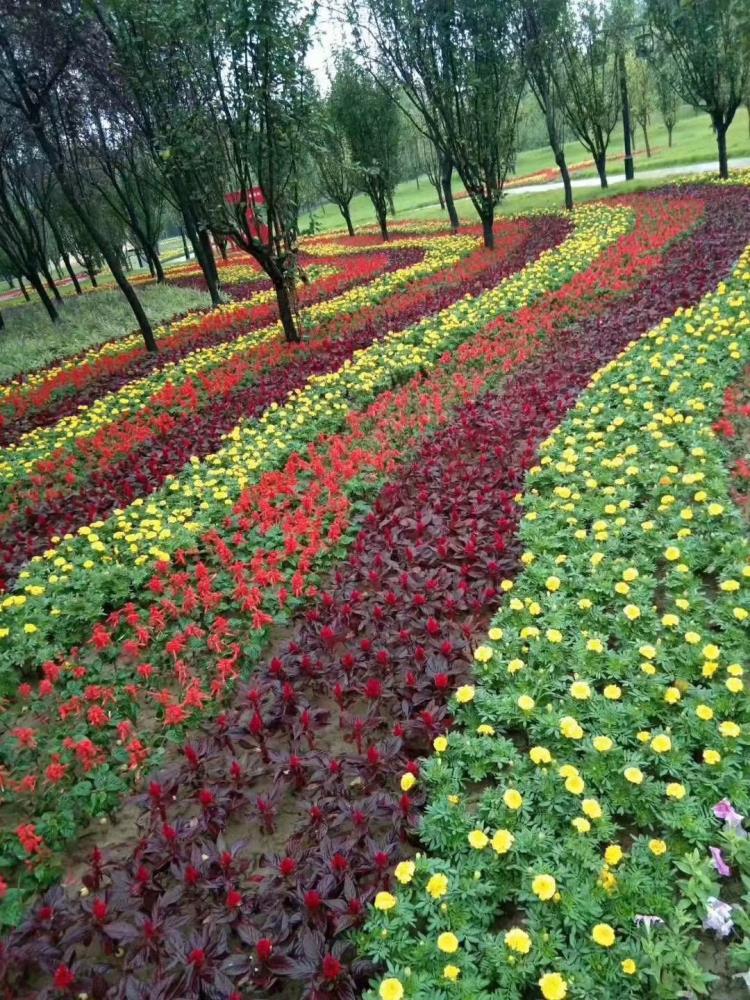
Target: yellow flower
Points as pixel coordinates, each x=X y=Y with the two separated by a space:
x=604 y=935
x=447 y=942
x=408 y=781
x=581 y=824
x=595 y=646
x=704 y=712
x=675 y=790
x=553 y=584
x=692 y=638
x=483 y=653
x=553 y=986
x=612 y=692
x=734 y=685
x=30 y=628
x=630 y=574
x=404 y=871
x=670 y=621
x=711 y=651
x=495 y=634
x=485 y=730
x=634 y=775
x=391 y=989
x=613 y=854
x=661 y=744
x=440 y=744
x=580 y=690
x=631 y=612
x=465 y=693
x=591 y=808
x=647 y=651
x=672 y=553
x=544 y=886
x=574 y=784
x=540 y=755
x=570 y=728
x=514 y=666
x=729 y=729
x=437 y=886
x=502 y=841
x=554 y=635
x=384 y=901
x=478 y=839
x=711 y=757
x=451 y=972
x=525 y=702
x=513 y=799
x=628 y=966
x=602 y=743
x=672 y=695
x=657 y=847
x=518 y=940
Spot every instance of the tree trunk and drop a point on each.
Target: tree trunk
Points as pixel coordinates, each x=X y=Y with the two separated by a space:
x=209 y=266
x=158 y=269
x=223 y=249
x=2 y=323
x=601 y=168
x=670 y=130
x=185 y=247
x=58 y=272
x=150 y=263
x=41 y=291
x=382 y=222
x=391 y=206
x=88 y=264
x=565 y=174
x=71 y=271
x=134 y=302
x=344 y=209
x=51 y=285
x=721 y=140
x=23 y=289
x=441 y=199
x=488 y=217
x=646 y=142
x=286 y=313
x=446 y=176
x=628 y=131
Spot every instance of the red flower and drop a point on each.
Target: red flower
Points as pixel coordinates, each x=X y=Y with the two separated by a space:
x=197 y=957
x=264 y=948
x=174 y=715
x=64 y=978
x=313 y=900
x=332 y=968
x=31 y=842
x=99 y=910
x=234 y=899
x=3 y=887
x=287 y=867
x=56 y=771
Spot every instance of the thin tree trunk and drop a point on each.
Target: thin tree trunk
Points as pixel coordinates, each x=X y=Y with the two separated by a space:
x=446 y=176
x=565 y=175
x=670 y=129
x=41 y=291
x=150 y=262
x=439 y=190
x=9 y=279
x=627 y=128
x=391 y=206
x=51 y=285
x=645 y=140
x=58 y=272
x=71 y=271
x=344 y=209
x=601 y=169
x=23 y=289
x=209 y=266
x=2 y=323
x=286 y=313
x=134 y=302
x=223 y=249
x=88 y=264
x=382 y=222
x=721 y=140
x=185 y=247
x=156 y=260
x=488 y=217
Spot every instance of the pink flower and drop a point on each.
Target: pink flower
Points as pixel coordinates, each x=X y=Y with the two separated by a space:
x=719 y=863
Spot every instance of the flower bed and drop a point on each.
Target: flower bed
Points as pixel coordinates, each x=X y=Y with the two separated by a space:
x=313 y=891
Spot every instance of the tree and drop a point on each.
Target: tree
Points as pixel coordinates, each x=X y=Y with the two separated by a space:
x=456 y=64
x=642 y=90
x=42 y=49
x=336 y=168
x=368 y=118
x=667 y=101
x=588 y=87
x=429 y=155
x=709 y=41
x=539 y=26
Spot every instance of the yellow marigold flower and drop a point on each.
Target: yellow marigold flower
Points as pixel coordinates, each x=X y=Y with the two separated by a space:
x=709 y=668
x=483 y=653
x=630 y=574
x=729 y=729
x=478 y=839
x=741 y=614
x=632 y=612
x=447 y=942
x=729 y=586
x=544 y=886
x=574 y=784
x=502 y=841
x=513 y=799
x=485 y=729
x=734 y=685
x=554 y=635
x=595 y=646
x=647 y=651
x=540 y=755
x=661 y=743
x=465 y=693
x=384 y=901
x=553 y=986
x=711 y=757
x=404 y=872
x=552 y=584
x=603 y=935
x=514 y=666
x=408 y=781
x=580 y=690
x=670 y=620
x=451 y=972
x=585 y=604
x=715 y=509
x=525 y=702
x=628 y=966
x=657 y=847
x=612 y=692
x=29 y=628
x=440 y=744
x=692 y=638
x=437 y=885
x=634 y=775
x=591 y=808
x=704 y=712
x=711 y=651
x=613 y=855
x=454 y=799
x=518 y=940
x=570 y=728
x=675 y=790
x=391 y=989
x=495 y=634
x=672 y=553
x=581 y=824
x=602 y=744
x=672 y=695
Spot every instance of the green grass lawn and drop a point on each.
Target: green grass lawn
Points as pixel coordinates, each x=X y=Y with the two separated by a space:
x=693 y=142
x=30 y=340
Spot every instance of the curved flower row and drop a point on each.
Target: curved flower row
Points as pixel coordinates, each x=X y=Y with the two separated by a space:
x=578 y=815
x=360 y=606
x=104 y=559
